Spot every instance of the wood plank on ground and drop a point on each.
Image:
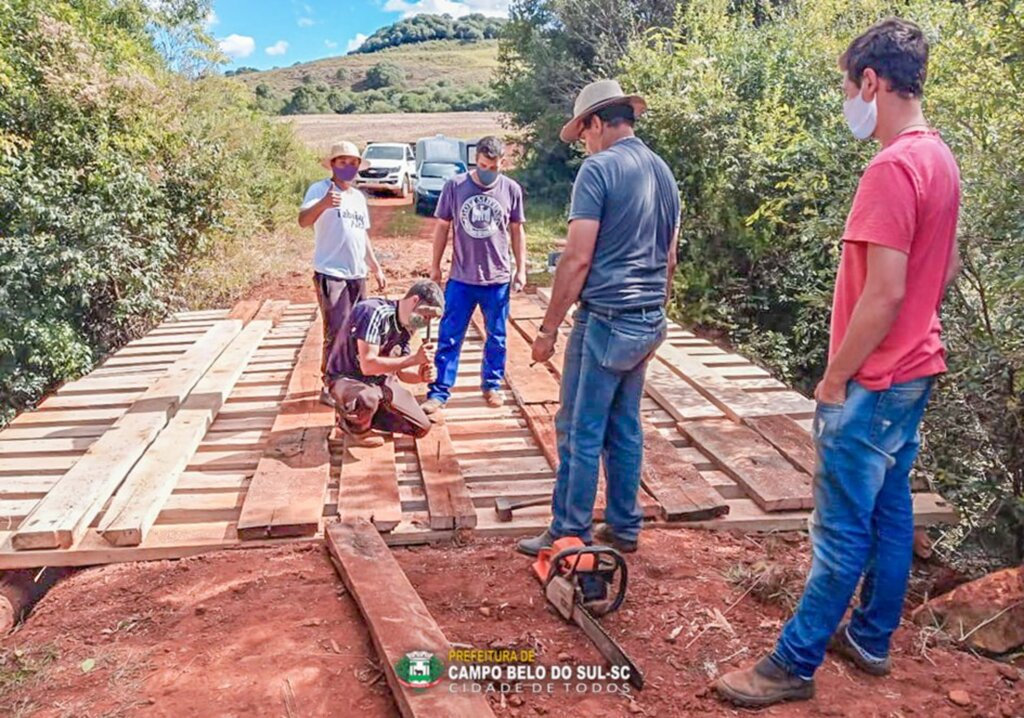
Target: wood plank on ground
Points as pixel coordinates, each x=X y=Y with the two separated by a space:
x=768 y=478
x=397 y=619
x=272 y=310
x=245 y=310
x=369 y=486
x=138 y=502
x=448 y=500
x=676 y=485
x=286 y=496
x=66 y=512
x=789 y=438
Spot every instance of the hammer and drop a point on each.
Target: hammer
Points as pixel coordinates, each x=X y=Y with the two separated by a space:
x=504 y=508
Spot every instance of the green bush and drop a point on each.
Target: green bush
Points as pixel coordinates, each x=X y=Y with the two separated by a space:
x=423 y=28
x=116 y=176
x=384 y=74
x=746 y=108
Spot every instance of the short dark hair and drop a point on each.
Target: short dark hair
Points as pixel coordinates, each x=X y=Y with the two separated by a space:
x=614 y=115
x=896 y=50
x=429 y=293
x=491 y=146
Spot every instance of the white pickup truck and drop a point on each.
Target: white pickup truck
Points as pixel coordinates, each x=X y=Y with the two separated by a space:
x=392 y=168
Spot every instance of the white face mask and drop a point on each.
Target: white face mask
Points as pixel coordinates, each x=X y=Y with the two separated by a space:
x=861 y=116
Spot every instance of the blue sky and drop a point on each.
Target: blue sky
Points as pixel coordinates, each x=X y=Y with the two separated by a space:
x=278 y=33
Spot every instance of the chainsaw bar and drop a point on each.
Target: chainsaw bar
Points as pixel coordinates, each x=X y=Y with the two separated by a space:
x=606 y=644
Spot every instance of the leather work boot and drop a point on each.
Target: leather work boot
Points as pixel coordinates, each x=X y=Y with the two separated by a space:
x=844 y=646
x=532 y=546
x=763 y=684
x=603 y=533
x=494 y=398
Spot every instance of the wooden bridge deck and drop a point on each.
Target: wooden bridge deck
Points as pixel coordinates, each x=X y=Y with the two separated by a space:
x=206 y=434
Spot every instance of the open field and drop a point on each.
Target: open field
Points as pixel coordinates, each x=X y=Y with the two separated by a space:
x=319 y=131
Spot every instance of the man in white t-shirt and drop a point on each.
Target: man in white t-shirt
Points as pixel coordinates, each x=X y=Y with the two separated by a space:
x=343 y=254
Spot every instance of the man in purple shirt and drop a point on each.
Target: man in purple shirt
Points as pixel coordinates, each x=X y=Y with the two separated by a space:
x=486 y=208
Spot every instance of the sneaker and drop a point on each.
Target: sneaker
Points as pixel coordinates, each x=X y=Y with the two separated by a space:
x=604 y=534
x=432 y=406
x=763 y=684
x=326 y=399
x=532 y=546
x=844 y=646
x=494 y=398
x=369 y=440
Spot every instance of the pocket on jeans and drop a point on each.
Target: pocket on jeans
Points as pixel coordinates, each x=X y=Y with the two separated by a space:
x=627 y=350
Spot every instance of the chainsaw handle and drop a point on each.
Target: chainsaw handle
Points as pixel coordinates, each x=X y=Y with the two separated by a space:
x=598 y=552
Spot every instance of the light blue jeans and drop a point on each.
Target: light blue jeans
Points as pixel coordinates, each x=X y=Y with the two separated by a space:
x=599 y=418
x=862 y=525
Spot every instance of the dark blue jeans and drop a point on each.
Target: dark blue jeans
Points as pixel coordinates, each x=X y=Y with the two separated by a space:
x=862 y=525
x=599 y=418
x=460 y=301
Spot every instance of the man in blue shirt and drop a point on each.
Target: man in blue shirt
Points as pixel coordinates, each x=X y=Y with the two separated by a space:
x=618 y=262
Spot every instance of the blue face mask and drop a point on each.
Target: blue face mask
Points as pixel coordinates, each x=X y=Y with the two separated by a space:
x=488 y=177
x=346 y=173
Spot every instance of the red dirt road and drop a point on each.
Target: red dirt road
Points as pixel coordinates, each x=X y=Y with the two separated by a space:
x=274 y=633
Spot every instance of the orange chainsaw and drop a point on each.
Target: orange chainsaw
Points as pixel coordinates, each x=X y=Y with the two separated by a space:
x=581 y=582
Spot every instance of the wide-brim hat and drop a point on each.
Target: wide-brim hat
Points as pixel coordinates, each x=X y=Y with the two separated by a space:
x=344 y=149
x=597 y=96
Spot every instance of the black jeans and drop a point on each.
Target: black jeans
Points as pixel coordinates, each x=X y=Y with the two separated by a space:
x=336 y=298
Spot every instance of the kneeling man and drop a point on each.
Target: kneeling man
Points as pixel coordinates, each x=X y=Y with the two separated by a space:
x=374 y=355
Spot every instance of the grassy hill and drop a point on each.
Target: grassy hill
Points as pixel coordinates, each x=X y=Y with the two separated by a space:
x=461 y=64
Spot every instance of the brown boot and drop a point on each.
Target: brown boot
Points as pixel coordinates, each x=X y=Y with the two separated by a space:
x=763 y=684
x=369 y=440
x=843 y=645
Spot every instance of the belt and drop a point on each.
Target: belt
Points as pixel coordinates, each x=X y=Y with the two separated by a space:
x=611 y=313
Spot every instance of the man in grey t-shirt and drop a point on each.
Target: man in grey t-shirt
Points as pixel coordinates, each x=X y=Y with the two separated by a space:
x=618 y=262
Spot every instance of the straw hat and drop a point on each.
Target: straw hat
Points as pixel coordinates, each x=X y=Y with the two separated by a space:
x=344 y=149
x=597 y=96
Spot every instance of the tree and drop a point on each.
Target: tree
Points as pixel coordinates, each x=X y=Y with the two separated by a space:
x=384 y=74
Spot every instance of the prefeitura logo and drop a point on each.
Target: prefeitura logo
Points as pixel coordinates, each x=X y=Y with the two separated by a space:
x=419 y=669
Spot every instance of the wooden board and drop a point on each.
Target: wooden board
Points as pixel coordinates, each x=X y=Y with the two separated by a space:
x=789 y=438
x=63 y=516
x=675 y=484
x=768 y=478
x=447 y=498
x=368 y=487
x=245 y=310
x=286 y=496
x=529 y=384
x=139 y=500
x=271 y=311
x=397 y=619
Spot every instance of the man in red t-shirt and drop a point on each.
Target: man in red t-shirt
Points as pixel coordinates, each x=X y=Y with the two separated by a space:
x=899 y=255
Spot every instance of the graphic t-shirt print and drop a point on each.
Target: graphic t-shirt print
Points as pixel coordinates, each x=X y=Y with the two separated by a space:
x=353 y=218
x=482 y=216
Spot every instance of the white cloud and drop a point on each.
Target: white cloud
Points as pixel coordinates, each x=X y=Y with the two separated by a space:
x=237 y=46
x=455 y=8
x=306 y=22
x=355 y=43
x=330 y=44
x=211 y=19
x=278 y=48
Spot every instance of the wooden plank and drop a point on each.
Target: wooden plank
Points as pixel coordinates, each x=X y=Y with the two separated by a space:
x=138 y=502
x=447 y=498
x=286 y=496
x=789 y=438
x=245 y=310
x=397 y=619
x=368 y=487
x=522 y=306
x=675 y=484
x=768 y=478
x=63 y=516
x=675 y=396
x=271 y=311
